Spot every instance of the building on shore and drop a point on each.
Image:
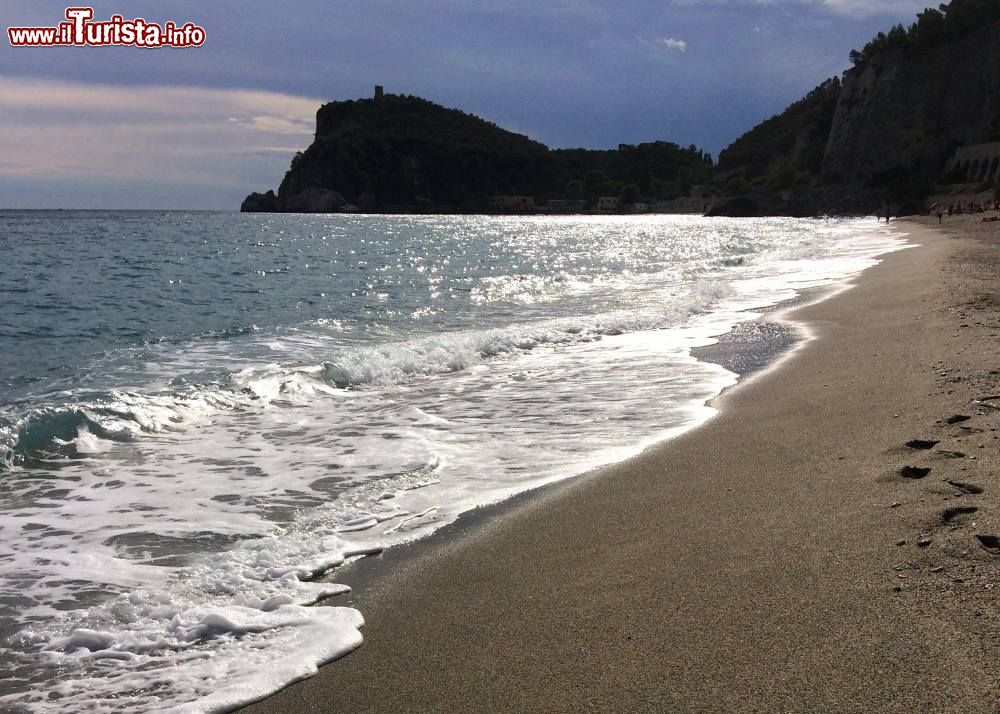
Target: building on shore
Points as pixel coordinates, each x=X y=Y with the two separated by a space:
x=512 y=204
x=975 y=164
x=608 y=204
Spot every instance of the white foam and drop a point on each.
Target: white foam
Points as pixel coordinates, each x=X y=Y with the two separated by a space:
x=276 y=475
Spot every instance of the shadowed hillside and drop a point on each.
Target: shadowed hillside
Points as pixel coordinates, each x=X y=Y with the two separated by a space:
x=402 y=153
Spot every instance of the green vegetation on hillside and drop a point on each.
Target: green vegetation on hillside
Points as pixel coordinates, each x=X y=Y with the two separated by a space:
x=933 y=28
x=405 y=151
x=785 y=151
x=658 y=170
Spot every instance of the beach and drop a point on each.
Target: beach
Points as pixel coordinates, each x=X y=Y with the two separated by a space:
x=233 y=471
x=791 y=554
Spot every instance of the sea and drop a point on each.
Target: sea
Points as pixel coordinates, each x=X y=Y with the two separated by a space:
x=203 y=415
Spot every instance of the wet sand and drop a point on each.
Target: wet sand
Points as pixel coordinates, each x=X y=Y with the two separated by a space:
x=790 y=555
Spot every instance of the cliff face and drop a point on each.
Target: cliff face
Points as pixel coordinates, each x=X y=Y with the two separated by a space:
x=903 y=113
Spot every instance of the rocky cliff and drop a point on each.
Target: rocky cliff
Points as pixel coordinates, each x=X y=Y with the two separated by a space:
x=885 y=133
x=904 y=112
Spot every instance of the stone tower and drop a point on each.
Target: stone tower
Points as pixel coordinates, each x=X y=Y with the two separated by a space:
x=379 y=92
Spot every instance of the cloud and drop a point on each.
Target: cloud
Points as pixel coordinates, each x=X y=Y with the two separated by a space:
x=277 y=124
x=53 y=100
x=671 y=44
x=207 y=142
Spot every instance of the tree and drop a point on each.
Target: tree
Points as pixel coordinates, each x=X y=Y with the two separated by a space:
x=897 y=38
x=629 y=194
x=737 y=186
x=928 y=29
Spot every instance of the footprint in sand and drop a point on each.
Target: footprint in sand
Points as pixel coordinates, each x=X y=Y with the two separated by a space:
x=922 y=444
x=970 y=430
x=990 y=542
x=965 y=487
x=950 y=514
x=914 y=472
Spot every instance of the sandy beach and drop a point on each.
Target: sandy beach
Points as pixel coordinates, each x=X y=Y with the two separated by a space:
x=794 y=554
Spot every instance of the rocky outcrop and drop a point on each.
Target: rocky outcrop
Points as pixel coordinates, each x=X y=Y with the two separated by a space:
x=903 y=113
x=259 y=203
x=405 y=154
x=402 y=154
x=804 y=203
x=311 y=199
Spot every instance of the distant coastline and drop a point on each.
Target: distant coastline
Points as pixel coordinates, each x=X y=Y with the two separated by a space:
x=917 y=115
x=405 y=155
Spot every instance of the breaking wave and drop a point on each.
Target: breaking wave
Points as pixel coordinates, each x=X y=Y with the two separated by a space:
x=96 y=422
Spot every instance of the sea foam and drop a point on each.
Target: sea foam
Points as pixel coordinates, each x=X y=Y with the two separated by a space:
x=171 y=511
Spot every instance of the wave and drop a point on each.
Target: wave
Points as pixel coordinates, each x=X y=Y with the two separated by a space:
x=90 y=426
x=93 y=425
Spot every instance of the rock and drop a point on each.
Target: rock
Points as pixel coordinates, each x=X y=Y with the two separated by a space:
x=924 y=542
x=902 y=113
x=311 y=200
x=259 y=203
x=738 y=207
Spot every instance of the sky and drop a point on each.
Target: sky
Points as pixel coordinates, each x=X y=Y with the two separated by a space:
x=201 y=127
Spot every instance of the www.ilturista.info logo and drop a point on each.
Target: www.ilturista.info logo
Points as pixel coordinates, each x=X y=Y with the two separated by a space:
x=80 y=31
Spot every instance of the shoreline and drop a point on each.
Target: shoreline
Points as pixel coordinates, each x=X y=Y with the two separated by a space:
x=580 y=579
x=750 y=347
